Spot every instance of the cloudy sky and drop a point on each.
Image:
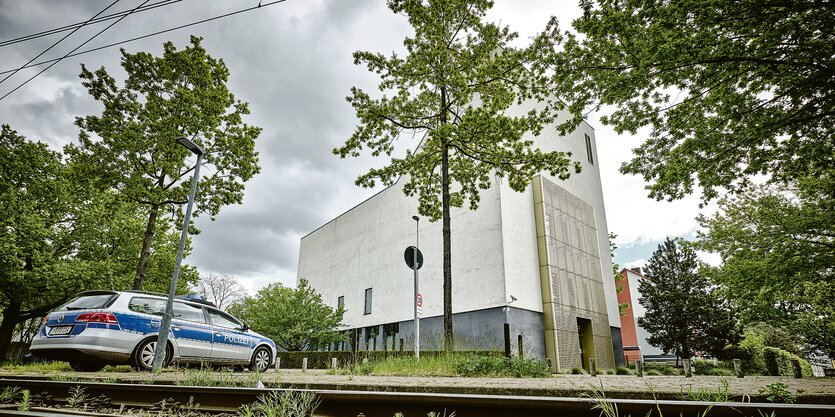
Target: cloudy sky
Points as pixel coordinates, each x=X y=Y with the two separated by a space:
x=292 y=62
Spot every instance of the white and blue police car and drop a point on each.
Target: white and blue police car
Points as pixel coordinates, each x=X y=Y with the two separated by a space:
x=98 y=328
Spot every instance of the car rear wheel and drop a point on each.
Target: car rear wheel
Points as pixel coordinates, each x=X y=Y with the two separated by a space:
x=260 y=360
x=86 y=366
x=143 y=356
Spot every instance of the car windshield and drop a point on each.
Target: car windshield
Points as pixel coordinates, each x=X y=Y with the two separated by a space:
x=86 y=302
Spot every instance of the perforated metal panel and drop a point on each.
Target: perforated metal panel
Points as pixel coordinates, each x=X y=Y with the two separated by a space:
x=574 y=276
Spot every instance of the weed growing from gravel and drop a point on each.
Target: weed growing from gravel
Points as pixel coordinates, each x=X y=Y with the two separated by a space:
x=35 y=367
x=76 y=397
x=8 y=394
x=778 y=392
x=282 y=404
x=25 y=401
x=720 y=395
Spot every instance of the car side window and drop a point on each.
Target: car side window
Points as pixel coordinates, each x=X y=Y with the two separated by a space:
x=153 y=306
x=183 y=311
x=223 y=320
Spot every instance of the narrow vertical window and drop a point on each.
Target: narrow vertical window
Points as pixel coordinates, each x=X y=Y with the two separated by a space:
x=340 y=302
x=589 y=150
x=368 y=301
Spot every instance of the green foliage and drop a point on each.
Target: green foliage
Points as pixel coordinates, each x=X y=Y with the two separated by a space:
x=778 y=392
x=706 y=367
x=683 y=313
x=25 y=401
x=76 y=397
x=453 y=88
x=726 y=99
x=296 y=319
x=778 y=362
x=64 y=236
x=622 y=307
x=130 y=147
x=529 y=368
x=776 y=244
x=8 y=394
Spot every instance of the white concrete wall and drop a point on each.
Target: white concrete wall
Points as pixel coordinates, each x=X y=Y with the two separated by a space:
x=363 y=248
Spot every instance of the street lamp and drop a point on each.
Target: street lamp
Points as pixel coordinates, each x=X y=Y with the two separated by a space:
x=162 y=338
x=417 y=288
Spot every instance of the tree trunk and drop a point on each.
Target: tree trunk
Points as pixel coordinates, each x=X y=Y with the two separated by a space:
x=11 y=316
x=147 y=241
x=448 y=338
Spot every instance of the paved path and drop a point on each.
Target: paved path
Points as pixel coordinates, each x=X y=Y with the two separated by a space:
x=625 y=386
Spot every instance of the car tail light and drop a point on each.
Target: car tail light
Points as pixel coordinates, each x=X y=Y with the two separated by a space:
x=107 y=318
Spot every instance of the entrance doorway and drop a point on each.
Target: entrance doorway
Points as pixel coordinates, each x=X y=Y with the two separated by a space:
x=586 y=339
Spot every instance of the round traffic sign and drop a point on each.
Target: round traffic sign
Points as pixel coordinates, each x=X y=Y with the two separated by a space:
x=419 y=300
x=409 y=255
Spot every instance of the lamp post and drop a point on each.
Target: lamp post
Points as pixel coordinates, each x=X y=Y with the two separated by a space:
x=417 y=288
x=162 y=338
x=507 y=326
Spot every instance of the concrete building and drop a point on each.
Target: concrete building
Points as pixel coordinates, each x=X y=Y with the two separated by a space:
x=537 y=259
x=635 y=346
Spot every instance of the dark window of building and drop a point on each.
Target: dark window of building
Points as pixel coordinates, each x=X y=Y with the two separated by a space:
x=589 y=149
x=368 y=301
x=340 y=302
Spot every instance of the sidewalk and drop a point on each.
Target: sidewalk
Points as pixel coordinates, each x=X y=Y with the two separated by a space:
x=814 y=390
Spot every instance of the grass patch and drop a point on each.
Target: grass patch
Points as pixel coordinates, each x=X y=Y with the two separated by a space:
x=720 y=395
x=208 y=377
x=287 y=403
x=35 y=367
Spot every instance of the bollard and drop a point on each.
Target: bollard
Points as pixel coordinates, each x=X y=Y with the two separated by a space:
x=507 y=340
x=592 y=367
x=304 y=364
x=548 y=361
x=639 y=368
x=519 y=346
x=277 y=364
x=333 y=363
x=401 y=345
x=738 y=368
x=798 y=372
x=688 y=372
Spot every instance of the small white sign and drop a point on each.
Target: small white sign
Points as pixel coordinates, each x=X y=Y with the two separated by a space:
x=420 y=311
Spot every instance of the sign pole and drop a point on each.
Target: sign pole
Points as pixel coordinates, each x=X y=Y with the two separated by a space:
x=417 y=288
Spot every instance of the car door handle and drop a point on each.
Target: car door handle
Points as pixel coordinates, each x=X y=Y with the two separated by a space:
x=175 y=328
x=218 y=334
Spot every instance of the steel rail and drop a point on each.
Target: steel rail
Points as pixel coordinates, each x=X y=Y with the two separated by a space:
x=351 y=403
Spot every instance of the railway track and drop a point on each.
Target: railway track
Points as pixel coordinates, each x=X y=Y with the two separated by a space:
x=386 y=404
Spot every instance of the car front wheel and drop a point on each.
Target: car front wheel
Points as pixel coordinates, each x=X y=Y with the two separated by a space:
x=260 y=359
x=143 y=357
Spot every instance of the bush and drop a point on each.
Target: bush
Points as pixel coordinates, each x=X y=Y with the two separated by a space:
x=705 y=367
x=529 y=368
x=623 y=370
x=662 y=368
x=778 y=362
x=471 y=365
x=578 y=371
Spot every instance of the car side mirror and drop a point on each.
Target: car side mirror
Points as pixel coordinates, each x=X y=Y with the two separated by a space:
x=244 y=327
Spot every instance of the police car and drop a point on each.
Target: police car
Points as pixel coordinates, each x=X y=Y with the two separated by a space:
x=116 y=327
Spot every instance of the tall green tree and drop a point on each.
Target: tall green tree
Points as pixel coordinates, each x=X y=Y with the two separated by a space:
x=60 y=236
x=777 y=245
x=452 y=87
x=130 y=147
x=295 y=318
x=729 y=89
x=684 y=314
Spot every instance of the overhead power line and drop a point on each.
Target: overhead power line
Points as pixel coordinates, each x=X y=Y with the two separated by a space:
x=92 y=21
x=75 y=49
x=148 y=35
x=59 y=41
